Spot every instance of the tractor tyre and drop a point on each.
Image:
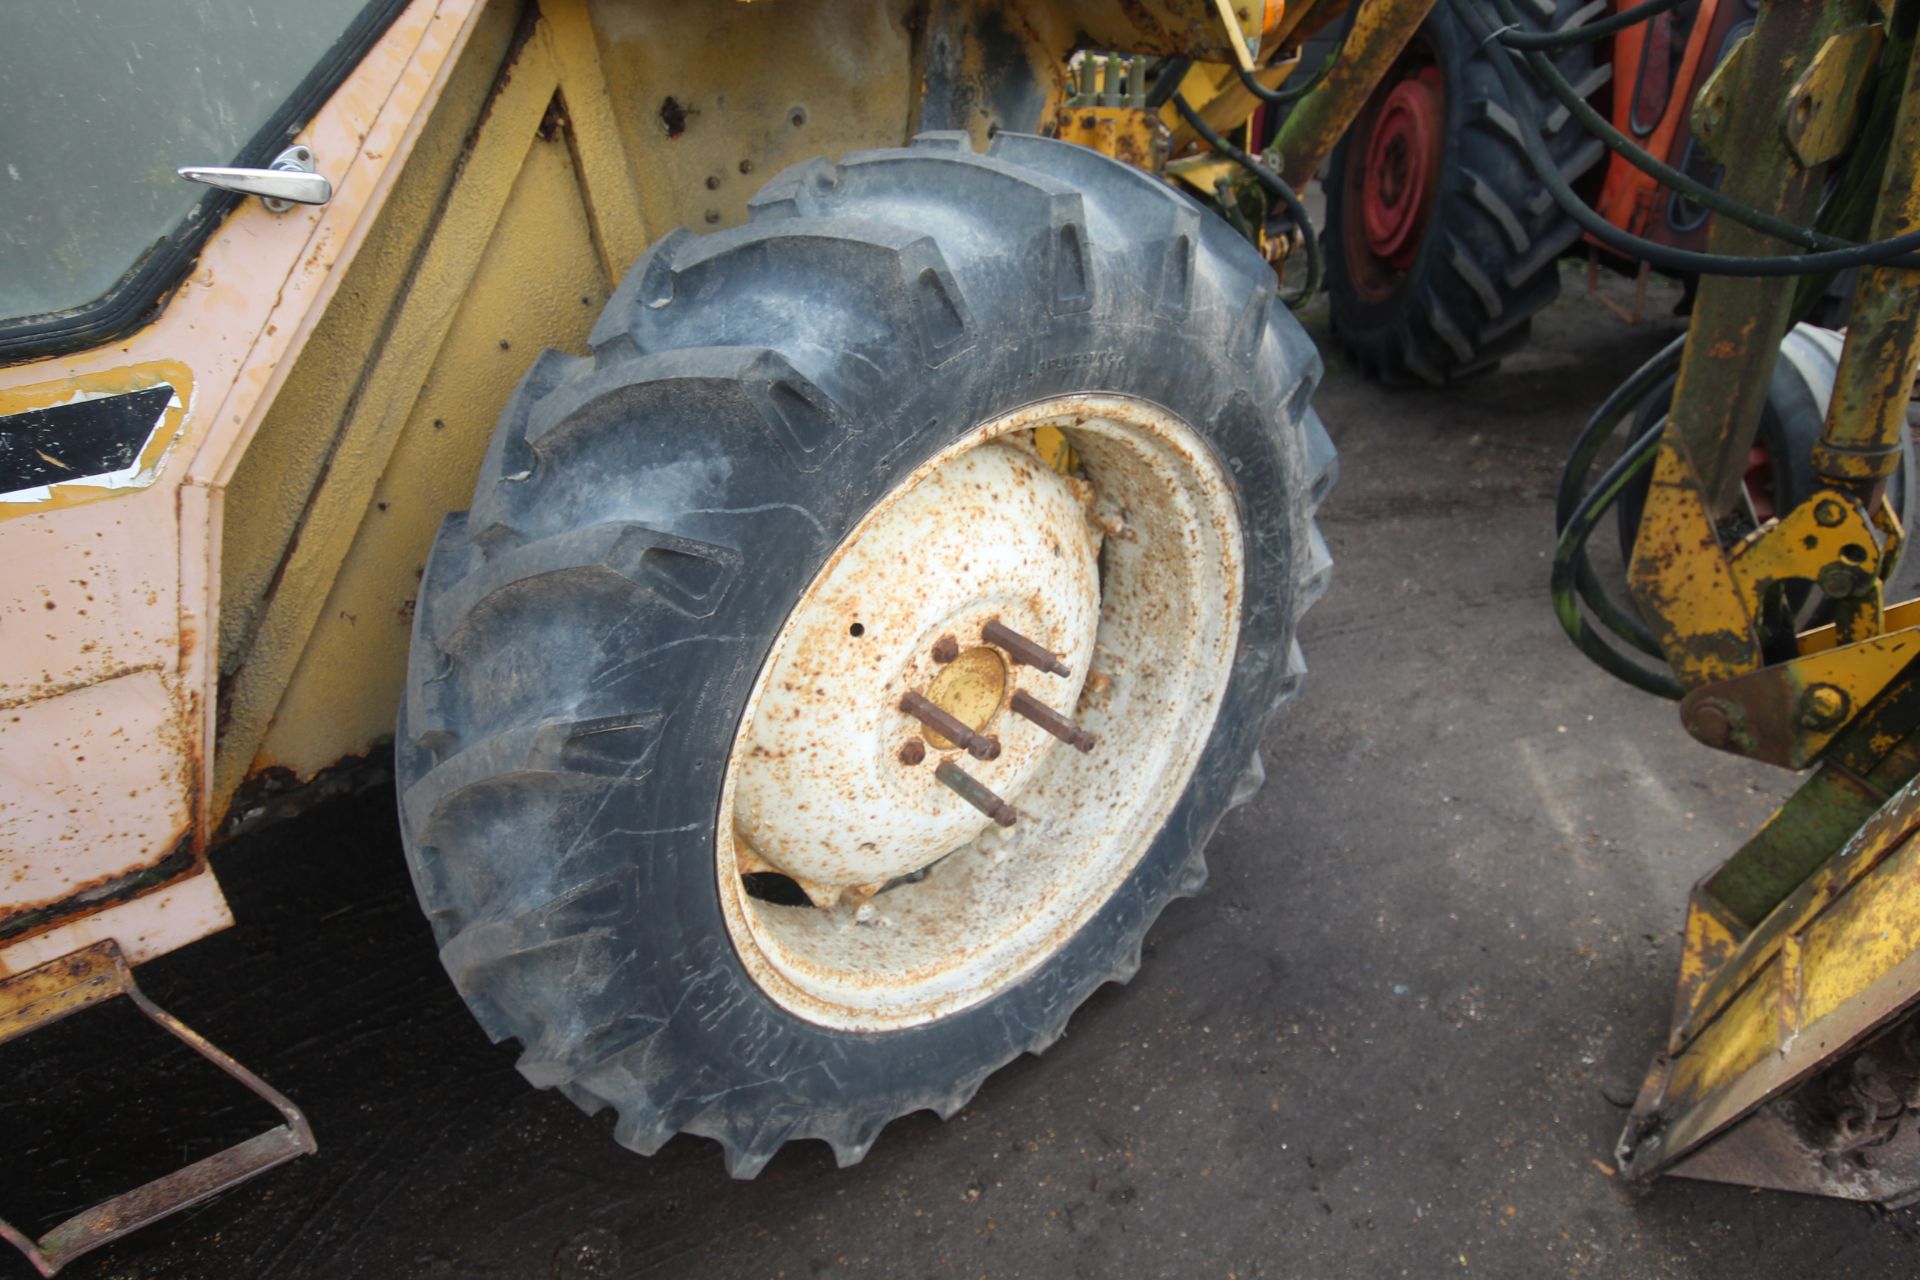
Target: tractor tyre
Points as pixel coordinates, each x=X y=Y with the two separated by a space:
x=1441 y=243
x=661 y=791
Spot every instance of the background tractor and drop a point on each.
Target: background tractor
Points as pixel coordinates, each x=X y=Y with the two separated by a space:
x=1442 y=242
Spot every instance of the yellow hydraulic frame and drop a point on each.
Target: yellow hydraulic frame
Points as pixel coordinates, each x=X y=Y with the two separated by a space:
x=1803 y=949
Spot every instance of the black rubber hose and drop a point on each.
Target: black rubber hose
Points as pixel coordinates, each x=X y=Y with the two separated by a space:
x=1580 y=524
x=1167 y=82
x=1586 y=34
x=1274 y=183
x=1623 y=620
x=1289 y=93
x=1544 y=72
x=1663 y=257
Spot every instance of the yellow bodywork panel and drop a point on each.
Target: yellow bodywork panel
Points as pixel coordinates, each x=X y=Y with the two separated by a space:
x=572 y=133
x=537 y=278
x=486 y=263
x=714 y=99
x=297 y=496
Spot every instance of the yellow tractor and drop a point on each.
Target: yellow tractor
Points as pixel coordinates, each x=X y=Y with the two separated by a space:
x=821 y=515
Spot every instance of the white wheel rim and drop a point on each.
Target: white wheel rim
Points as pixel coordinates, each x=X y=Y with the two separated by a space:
x=929 y=906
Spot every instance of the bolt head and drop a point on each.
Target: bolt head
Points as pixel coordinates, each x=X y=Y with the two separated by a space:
x=913 y=751
x=1839 y=581
x=1709 y=723
x=1828 y=512
x=1822 y=706
x=946 y=649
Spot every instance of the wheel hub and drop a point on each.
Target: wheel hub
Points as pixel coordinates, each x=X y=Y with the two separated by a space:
x=993 y=534
x=971 y=690
x=1403 y=156
x=980 y=713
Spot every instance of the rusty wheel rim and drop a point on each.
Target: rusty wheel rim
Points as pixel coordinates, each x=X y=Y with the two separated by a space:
x=947 y=852
x=1390 y=185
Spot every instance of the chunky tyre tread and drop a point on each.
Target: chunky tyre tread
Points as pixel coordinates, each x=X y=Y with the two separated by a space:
x=1487 y=263
x=519 y=736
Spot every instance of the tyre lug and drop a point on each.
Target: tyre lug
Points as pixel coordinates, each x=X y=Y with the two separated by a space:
x=954 y=730
x=974 y=792
x=1026 y=705
x=1021 y=649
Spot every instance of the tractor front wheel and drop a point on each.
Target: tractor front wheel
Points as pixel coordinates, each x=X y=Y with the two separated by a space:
x=841 y=668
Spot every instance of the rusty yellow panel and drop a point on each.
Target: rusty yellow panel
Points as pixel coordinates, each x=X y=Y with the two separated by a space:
x=715 y=97
x=1126 y=134
x=1709 y=945
x=1733 y=1043
x=1682 y=583
x=539 y=284
x=1898 y=618
x=267 y=498
x=1864 y=935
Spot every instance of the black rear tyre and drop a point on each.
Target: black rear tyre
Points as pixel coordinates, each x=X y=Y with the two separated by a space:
x=1428 y=295
x=588 y=634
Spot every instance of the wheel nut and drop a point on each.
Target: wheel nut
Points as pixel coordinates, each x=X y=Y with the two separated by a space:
x=946 y=649
x=913 y=751
x=1021 y=649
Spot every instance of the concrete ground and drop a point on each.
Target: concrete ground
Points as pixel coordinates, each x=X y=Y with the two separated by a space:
x=1394 y=1037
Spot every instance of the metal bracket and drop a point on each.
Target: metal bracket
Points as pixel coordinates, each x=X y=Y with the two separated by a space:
x=90 y=976
x=1829 y=100
x=288 y=181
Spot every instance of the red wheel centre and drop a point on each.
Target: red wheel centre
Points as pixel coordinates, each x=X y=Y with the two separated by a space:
x=1403 y=155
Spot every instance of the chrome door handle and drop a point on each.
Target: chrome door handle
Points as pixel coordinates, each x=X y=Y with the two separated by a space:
x=290 y=180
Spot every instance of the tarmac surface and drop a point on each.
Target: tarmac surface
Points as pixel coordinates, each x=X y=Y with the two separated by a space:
x=1394 y=1037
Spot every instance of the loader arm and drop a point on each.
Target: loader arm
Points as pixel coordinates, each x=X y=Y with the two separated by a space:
x=1788 y=1063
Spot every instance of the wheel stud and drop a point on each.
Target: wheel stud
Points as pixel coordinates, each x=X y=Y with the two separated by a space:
x=974 y=792
x=954 y=730
x=1021 y=649
x=1025 y=704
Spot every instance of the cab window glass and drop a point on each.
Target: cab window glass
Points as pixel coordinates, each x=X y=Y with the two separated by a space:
x=101 y=100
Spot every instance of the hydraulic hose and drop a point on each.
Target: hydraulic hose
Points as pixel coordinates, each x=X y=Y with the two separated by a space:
x=1666 y=258
x=1275 y=184
x=1589 y=32
x=1289 y=93
x=1543 y=71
